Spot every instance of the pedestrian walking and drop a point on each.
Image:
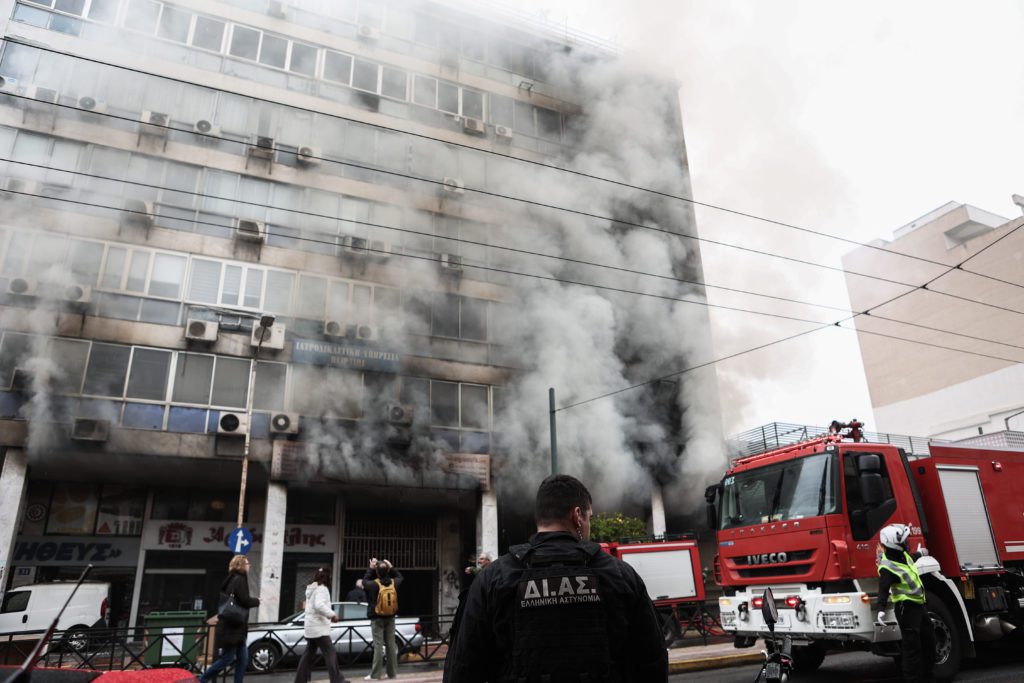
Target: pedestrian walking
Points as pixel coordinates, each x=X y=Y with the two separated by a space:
x=357 y=594
x=317 y=629
x=898 y=576
x=558 y=608
x=231 y=635
x=381 y=584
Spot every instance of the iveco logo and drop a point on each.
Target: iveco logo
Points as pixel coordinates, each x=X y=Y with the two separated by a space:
x=768 y=558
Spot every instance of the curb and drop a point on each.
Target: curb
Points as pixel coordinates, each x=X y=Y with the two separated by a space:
x=720 y=662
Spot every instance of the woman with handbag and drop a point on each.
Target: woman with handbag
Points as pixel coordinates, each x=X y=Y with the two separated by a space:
x=233 y=621
x=317 y=628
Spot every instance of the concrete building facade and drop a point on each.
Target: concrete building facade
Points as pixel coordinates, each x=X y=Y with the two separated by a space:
x=381 y=179
x=925 y=389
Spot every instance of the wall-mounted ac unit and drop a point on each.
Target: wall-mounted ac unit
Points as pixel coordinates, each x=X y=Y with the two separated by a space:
x=8 y=84
x=22 y=286
x=250 y=230
x=232 y=424
x=155 y=118
x=138 y=213
x=503 y=132
x=205 y=127
x=354 y=245
x=89 y=429
x=334 y=328
x=284 y=423
x=453 y=186
x=381 y=249
x=276 y=8
x=397 y=413
x=262 y=147
x=38 y=92
x=471 y=125
x=89 y=103
x=77 y=294
x=368 y=32
x=201 y=330
x=273 y=337
x=363 y=332
x=451 y=263
x=308 y=155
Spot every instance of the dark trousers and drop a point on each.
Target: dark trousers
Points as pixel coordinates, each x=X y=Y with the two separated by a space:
x=918 y=646
x=229 y=654
x=326 y=648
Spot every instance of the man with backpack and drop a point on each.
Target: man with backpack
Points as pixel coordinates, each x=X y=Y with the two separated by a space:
x=381 y=585
x=557 y=609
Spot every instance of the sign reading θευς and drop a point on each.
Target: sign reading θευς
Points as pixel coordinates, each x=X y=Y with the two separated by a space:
x=347 y=356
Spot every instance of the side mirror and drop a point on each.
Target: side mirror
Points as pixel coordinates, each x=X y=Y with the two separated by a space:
x=871 y=490
x=768 y=609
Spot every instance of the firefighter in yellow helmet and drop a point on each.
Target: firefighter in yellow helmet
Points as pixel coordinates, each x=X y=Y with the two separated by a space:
x=898 y=577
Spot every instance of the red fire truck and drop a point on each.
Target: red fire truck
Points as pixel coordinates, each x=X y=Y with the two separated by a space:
x=805 y=520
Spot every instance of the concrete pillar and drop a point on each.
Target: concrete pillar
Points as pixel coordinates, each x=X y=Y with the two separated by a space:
x=273 y=552
x=13 y=484
x=450 y=565
x=487 y=524
x=140 y=568
x=657 y=510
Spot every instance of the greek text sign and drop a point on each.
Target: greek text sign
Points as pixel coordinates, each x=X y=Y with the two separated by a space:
x=57 y=551
x=176 y=535
x=347 y=356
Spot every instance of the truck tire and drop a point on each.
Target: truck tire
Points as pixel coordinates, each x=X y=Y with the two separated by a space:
x=807 y=658
x=670 y=631
x=948 y=649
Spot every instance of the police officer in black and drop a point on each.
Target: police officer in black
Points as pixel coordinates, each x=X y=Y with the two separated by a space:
x=557 y=609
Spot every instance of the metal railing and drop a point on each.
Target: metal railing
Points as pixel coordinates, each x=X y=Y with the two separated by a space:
x=778 y=434
x=1005 y=439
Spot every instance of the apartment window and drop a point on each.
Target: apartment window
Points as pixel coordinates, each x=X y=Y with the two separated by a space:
x=84 y=261
x=394 y=83
x=71 y=355
x=148 y=376
x=208 y=34
x=213 y=282
x=174 y=24
x=473 y=403
x=312 y=297
x=472 y=104
x=15 y=348
x=473 y=320
x=274 y=51
x=279 y=291
x=446 y=315
x=447 y=97
x=365 y=75
x=230 y=382
x=103 y=10
x=192 y=376
x=269 y=389
x=106 y=371
x=444 y=404
x=425 y=91
x=338 y=67
x=143 y=272
x=245 y=42
x=303 y=59
x=142 y=16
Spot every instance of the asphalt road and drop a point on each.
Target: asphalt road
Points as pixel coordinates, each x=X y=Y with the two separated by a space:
x=862 y=667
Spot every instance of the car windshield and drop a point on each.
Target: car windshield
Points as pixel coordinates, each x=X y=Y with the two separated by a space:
x=805 y=487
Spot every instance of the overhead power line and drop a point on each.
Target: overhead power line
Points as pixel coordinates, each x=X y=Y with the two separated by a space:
x=510 y=157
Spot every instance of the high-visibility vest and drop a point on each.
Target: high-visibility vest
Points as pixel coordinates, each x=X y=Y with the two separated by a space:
x=910 y=587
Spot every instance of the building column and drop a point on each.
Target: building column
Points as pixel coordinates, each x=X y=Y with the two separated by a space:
x=273 y=552
x=657 y=510
x=13 y=484
x=487 y=523
x=140 y=568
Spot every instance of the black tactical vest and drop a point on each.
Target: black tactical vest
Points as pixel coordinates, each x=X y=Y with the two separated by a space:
x=560 y=628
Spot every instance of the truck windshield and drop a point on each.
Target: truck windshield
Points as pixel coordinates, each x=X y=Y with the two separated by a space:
x=805 y=487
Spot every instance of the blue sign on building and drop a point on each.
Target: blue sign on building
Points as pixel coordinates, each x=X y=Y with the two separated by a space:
x=347 y=356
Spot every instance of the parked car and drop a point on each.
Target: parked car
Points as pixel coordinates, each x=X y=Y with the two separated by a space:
x=33 y=608
x=270 y=644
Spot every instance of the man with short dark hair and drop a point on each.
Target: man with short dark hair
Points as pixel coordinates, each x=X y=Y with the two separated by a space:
x=382 y=577
x=557 y=609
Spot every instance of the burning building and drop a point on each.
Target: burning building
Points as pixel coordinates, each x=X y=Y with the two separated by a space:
x=357 y=240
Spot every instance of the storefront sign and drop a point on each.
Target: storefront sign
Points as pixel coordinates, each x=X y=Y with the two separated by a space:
x=63 y=551
x=175 y=535
x=347 y=356
x=471 y=464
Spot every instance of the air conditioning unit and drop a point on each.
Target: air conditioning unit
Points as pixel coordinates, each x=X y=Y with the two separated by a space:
x=473 y=125
x=22 y=286
x=273 y=337
x=8 y=84
x=363 y=332
x=38 y=92
x=138 y=212
x=284 y=423
x=89 y=103
x=232 y=424
x=204 y=127
x=262 y=147
x=155 y=118
x=453 y=186
x=503 y=132
x=368 y=32
x=201 y=330
x=89 y=429
x=381 y=249
x=355 y=245
x=334 y=328
x=251 y=231
x=451 y=263
x=276 y=8
x=308 y=155
x=77 y=294
x=398 y=413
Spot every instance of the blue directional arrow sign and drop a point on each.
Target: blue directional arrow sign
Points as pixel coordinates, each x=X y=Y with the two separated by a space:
x=240 y=541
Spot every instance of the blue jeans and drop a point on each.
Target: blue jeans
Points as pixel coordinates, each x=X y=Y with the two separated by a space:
x=229 y=655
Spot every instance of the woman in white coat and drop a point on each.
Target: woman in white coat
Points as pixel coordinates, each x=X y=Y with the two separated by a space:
x=317 y=628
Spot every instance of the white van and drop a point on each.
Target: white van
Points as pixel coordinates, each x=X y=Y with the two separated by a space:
x=34 y=607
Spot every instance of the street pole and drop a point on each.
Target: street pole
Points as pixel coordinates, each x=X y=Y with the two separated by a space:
x=554 y=433
x=266 y=322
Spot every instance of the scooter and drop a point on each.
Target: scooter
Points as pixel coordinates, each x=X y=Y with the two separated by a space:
x=778 y=659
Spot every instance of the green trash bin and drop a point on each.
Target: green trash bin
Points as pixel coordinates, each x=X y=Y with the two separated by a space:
x=171 y=637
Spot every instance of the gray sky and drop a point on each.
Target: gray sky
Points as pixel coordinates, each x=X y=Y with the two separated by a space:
x=848 y=118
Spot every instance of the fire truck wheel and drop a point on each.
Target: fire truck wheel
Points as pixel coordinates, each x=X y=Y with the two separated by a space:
x=947 y=640
x=807 y=658
x=669 y=628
